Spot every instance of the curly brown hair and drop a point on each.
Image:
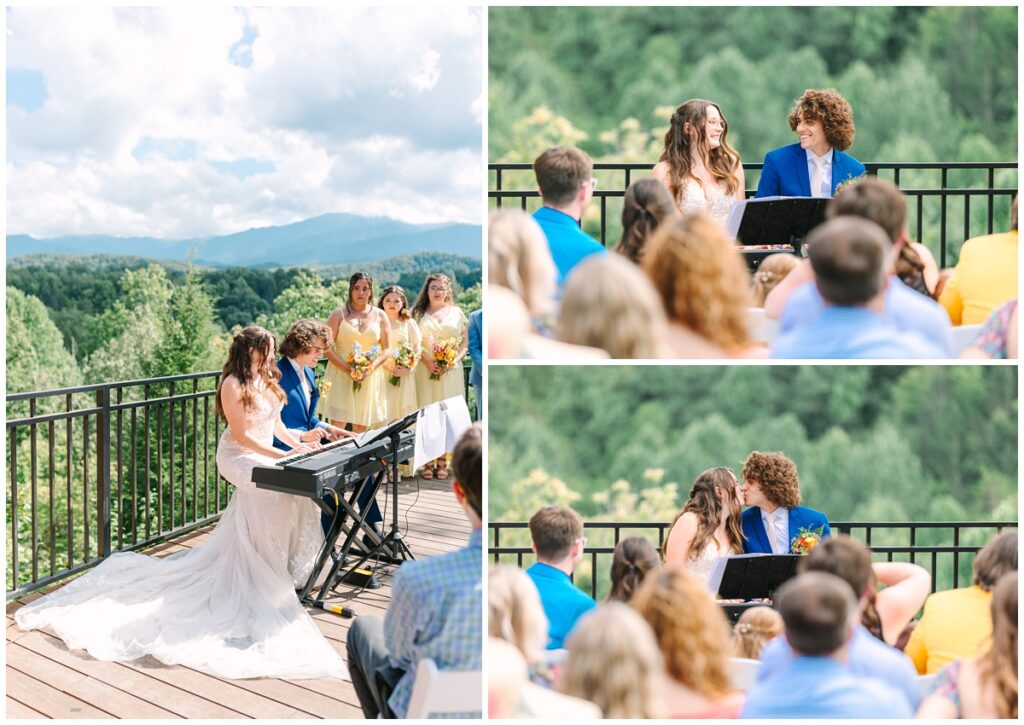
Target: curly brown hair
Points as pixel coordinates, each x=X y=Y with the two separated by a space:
x=832 y=110
x=690 y=627
x=701 y=278
x=721 y=161
x=302 y=337
x=775 y=475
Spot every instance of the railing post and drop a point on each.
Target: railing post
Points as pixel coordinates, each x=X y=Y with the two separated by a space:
x=103 y=486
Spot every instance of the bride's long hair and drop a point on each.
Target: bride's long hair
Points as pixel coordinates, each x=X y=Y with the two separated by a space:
x=251 y=340
x=721 y=161
x=707 y=507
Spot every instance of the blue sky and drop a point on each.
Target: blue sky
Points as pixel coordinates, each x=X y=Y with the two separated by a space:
x=178 y=123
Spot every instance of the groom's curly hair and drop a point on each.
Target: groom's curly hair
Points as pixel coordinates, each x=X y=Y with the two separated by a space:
x=776 y=476
x=303 y=336
x=834 y=112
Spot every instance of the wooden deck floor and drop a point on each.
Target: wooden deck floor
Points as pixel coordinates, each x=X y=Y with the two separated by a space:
x=45 y=679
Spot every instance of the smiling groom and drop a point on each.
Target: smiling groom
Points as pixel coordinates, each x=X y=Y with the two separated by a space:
x=772 y=490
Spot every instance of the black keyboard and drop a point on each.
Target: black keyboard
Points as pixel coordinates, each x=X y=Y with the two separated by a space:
x=334 y=467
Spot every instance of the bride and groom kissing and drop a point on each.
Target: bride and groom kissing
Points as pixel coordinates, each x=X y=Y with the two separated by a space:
x=711 y=525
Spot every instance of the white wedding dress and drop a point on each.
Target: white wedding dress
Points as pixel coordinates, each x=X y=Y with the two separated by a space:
x=227 y=607
x=693 y=200
x=705 y=561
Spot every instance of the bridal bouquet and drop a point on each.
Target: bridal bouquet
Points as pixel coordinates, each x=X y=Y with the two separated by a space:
x=805 y=540
x=444 y=352
x=359 y=364
x=404 y=357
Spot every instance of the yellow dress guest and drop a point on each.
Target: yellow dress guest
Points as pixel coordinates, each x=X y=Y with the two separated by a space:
x=956 y=624
x=449 y=323
x=400 y=400
x=363 y=407
x=985 y=278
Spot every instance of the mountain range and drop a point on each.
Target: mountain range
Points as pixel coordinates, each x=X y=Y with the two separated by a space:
x=325 y=239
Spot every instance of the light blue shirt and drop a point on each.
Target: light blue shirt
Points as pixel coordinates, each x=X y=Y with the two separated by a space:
x=826 y=173
x=847 y=333
x=821 y=687
x=869 y=657
x=568 y=243
x=563 y=602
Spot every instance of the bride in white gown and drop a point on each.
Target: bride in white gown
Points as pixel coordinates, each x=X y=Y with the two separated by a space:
x=709 y=526
x=700 y=169
x=227 y=607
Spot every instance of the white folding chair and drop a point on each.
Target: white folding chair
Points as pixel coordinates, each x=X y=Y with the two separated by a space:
x=762 y=329
x=743 y=672
x=963 y=335
x=445 y=692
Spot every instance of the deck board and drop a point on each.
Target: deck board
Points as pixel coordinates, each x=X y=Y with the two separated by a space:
x=46 y=680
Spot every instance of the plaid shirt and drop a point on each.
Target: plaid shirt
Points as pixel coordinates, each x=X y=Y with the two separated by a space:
x=435 y=613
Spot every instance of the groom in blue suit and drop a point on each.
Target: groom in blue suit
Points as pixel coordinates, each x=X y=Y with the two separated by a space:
x=772 y=490
x=817 y=164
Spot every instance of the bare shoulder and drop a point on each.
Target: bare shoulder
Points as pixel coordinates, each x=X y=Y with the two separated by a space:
x=660 y=171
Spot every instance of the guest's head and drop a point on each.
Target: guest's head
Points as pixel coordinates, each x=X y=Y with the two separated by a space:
x=614 y=662
x=394 y=303
x=435 y=293
x=633 y=559
x=849 y=257
x=360 y=290
x=467 y=465
x=845 y=558
x=508 y=322
x=609 y=303
x=822 y=117
x=701 y=279
x=250 y=360
x=646 y=205
x=770 y=480
x=306 y=341
x=769 y=273
x=565 y=179
x=690 y=628
x=514 y=611
x=715 y=492
x=507 y=675
x=999 y=665
x=518 y=258
x=819 y=611
x=755 y=628
x=996 y=558
x=557 y=535
x=696 y=132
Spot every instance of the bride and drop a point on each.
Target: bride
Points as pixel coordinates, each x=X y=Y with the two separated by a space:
x=708 y=527
x=700 y=169
x=227 y=607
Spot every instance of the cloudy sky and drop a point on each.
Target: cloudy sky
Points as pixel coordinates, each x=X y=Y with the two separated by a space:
x=180 y=123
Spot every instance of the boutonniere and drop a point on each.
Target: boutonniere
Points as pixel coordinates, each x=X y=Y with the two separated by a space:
x=805 y=540
x=325 y=386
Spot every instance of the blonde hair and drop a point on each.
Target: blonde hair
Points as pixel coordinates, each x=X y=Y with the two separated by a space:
x=772 y=270
x=614 y=662
x=514 y=611
x=609 y=303
x=518 y=258
x=754 y=629
x=690 y=628
x=702 y=279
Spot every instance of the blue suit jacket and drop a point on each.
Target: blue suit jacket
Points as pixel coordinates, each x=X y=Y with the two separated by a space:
x=475 y=348
x=785 y=172
x=800 y=517
x=295 y=414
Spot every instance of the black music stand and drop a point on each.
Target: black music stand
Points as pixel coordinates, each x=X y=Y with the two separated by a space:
x=754 y=576
x=779 y=220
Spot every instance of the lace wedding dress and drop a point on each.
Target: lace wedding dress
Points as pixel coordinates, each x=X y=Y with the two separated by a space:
x=227 y=607
x=717 y=206
x=702 y=565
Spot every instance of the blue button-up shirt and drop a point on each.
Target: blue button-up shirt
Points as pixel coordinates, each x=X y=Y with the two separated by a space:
x=435 y=613
x=568 y=243
x=853 y=333
x=563 y=602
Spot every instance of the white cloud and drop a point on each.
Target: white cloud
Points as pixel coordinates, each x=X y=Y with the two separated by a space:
x=374 y=111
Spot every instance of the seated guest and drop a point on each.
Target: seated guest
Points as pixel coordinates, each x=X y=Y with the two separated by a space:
x=515 y=614
x=565 y=177
x=820 y=611
x=609 y=304
x=866 y=656
x=891 y=609
x=848 y=255
x=771 y=488
x=756 y=627
x=435 y=607
x=703 y=285
x=956 y=623
x=797 y=301
x=557 y=534
x=646 y=205
x=985 y=686
x=634 y=557
x=693 y=636
x=985 y=276
x=997 y=339
x=770 y=273
x=815 y=166
x=613 y=662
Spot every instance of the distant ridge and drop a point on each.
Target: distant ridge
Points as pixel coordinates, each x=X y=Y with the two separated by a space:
x=323 y=240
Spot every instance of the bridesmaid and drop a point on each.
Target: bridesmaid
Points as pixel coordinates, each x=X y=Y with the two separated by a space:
x=439 y=320
x=400 y=399
x=358 y=321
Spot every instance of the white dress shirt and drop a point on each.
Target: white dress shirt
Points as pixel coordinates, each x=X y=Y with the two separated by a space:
x=307 y=389
x=776 y=526
x=825 y=190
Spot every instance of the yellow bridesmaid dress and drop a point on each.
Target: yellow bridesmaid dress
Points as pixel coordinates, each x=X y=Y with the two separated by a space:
x=452 y=325
x=400 y=400
x=363 y=407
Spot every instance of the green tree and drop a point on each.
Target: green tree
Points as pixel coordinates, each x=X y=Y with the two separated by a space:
x=36 y=359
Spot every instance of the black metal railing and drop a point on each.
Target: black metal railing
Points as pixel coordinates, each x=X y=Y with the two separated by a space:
x=98 y=469
x=945 y=548
x=932 y=201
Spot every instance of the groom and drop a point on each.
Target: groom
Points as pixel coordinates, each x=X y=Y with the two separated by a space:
x=772 y=490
